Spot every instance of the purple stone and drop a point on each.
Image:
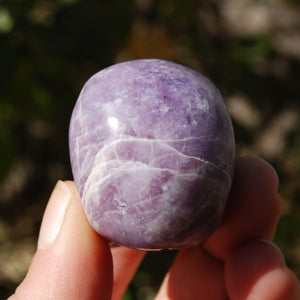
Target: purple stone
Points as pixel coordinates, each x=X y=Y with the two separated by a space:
x=152 y=147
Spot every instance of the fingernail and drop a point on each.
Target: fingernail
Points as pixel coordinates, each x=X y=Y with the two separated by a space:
x=54 y=215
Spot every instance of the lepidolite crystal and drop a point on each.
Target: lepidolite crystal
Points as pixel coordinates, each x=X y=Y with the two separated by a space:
x=151 y=147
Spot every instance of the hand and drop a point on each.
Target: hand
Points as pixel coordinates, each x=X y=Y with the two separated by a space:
x=237 y=262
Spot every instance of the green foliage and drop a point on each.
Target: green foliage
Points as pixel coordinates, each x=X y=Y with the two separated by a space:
x=252 y=49
x=128 y=296
x=49 y=48
x=6 y=21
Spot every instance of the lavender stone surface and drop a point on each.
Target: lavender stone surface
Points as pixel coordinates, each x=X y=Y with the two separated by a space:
x=151 y=147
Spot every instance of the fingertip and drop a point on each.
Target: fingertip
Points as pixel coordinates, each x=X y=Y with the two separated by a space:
x=261 y=167
x=125 y=263
x=253 y=208
x=54 y=215
x=72 y=187
x=194 y=273
x=257 y=270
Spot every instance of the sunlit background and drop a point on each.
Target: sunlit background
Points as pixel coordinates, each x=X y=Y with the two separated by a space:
x=49 y=48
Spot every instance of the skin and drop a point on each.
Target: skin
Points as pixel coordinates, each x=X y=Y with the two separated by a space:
x=238 y=262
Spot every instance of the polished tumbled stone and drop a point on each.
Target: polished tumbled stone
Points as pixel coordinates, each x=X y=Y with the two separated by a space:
x=151 y=147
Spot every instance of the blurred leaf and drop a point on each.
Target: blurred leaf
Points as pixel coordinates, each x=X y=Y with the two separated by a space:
x=249 y=50
x=6 y=20
x=7 y=152
x=128 y=296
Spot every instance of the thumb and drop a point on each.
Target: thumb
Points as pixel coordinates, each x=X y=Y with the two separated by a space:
x=72 y=261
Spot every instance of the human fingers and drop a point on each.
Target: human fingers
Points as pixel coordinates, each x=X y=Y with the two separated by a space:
x=125 y=263
x=257 y=271
x=194 y=275
x=72 y=261
x=253 y=208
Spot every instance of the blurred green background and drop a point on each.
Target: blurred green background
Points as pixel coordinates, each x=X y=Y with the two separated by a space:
x=49 y=48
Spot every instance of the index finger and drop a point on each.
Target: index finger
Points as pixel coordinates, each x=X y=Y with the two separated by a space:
x=253 y=208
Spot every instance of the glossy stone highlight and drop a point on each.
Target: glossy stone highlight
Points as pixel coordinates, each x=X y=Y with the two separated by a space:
x=151 y=147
